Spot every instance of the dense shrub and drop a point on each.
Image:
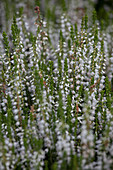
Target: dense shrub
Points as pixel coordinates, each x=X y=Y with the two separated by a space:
x=56 y=102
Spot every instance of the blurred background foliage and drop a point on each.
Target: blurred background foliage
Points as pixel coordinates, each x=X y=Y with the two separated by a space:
x=52 y=9
x=104 y=9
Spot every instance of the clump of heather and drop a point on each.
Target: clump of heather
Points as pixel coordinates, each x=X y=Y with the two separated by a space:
x=56 y=102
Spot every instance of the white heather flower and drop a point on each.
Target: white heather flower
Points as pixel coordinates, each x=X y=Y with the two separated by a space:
x=77 y=88
x=73 y=92
x=72 y=86
x=73 y=120
x=15 y=111
x=5 y=100
x=16 y=117
x=71 y=79
x=71 y=52
x=17 y=123
x=70 y=70
x=61 y=86
x=78 y=82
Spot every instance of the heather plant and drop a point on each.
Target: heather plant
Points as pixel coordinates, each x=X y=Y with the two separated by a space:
x=56 y=102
